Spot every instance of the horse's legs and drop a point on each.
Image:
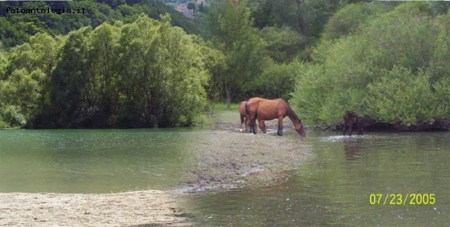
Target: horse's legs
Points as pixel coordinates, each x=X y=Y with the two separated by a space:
x=344 y=128
x=350 y=128
x=242 y=121
x=252 y=125
x=246 y=124
x=280 y=126
x=360 y=128
x=262 y=126
x=255 y=129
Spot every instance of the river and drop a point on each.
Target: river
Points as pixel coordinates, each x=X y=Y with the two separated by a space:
x=379 y=179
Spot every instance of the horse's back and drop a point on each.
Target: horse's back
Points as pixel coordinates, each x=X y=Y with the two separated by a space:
x=349 y=115
x=269 y=109
x=254 y=101
x=258 y=100
x=252 y=105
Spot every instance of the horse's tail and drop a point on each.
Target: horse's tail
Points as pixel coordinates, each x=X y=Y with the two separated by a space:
x=246 y=108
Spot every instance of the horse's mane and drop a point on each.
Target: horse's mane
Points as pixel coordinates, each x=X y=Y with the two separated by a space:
x=351 y=114
x=292 y=115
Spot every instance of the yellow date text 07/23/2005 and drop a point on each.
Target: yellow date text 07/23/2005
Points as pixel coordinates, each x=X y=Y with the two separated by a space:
x=402 y=199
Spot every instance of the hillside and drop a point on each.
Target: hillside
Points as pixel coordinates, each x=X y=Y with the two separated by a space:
x=184 y=9
x=18 y=27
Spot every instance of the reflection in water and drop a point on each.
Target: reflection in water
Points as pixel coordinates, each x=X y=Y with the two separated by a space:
x=352 y=148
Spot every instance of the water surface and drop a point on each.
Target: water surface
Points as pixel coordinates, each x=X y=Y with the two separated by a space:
x=331 y=189
x=91 y=161
x=334 y=188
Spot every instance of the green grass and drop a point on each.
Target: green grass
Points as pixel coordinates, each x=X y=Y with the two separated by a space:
x=223 y=106
x=203 y=121
x=4 y=125
x=218 y=114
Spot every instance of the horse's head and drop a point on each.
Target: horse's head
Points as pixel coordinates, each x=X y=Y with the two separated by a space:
x=300 y=129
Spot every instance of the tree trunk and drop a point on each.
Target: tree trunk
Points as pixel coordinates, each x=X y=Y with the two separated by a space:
x=301 y=18
x=228 y=100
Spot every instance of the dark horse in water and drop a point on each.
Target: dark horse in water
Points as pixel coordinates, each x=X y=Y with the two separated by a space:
x=267 y=109
x=244 y=115
x=351 y=118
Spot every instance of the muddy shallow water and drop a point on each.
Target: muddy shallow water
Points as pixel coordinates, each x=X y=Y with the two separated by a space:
x=158 y=169
x=227 y=159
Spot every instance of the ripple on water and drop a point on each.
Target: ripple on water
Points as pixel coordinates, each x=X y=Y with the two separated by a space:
x=340 y=138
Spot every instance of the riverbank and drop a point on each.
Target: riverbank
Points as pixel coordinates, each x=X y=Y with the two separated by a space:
x=373 y=125
x=143 y=208
x=228 y=158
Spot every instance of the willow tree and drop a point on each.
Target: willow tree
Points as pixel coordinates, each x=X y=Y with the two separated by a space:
x=233 y=34
x=393 y=68
x=103 y=57
x=67 y=90
x=161 y=76
x=215 y=63
x=23 y=76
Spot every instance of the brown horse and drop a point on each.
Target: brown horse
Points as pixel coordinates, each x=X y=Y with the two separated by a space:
x=268 y=109
x=351 y=118
x=244 y=115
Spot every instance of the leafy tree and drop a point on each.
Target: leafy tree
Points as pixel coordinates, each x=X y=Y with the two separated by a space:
x=3 y=62
x=307 y=16
x=201 y=7
x=162 y=76
x=23 y=77
x=144 y=74
x=400 y=96
x=276 y=81
x=277 y=13
x=191 y=6
x=233 y=34
x=439 y=7
x=17 y=28
x=67 y=83
x=392 y=69
x=438 y=67
x=138 y=88
x=348 y=19
x=102 y=97
x=215 y=62
x=11 y=34
x=282 y=44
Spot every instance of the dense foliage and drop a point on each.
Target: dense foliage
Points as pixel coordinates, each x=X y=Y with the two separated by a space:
x=18 y=27
x=143 y=74
x=392 y=67
x=116 y=67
